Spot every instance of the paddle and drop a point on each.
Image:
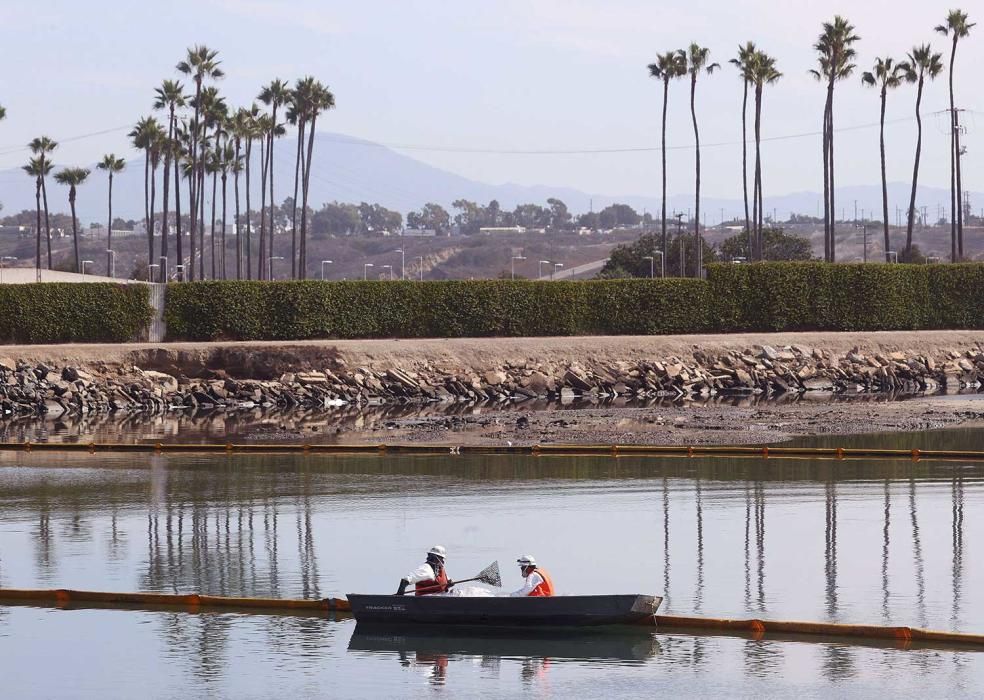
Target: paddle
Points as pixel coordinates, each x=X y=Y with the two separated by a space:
x=489 y=575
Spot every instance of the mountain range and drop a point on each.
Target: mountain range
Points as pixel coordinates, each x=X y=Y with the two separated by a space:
x=348 y=169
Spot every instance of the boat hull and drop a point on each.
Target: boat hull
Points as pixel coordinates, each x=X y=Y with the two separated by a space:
x=556 y=611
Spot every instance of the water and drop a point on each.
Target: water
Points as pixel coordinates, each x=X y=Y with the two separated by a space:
x=883 y=543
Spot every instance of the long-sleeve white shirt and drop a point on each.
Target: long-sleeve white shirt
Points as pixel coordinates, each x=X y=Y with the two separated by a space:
x=424 y=572
x=532 y=581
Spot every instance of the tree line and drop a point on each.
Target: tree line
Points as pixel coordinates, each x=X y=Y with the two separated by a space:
x=836 y=55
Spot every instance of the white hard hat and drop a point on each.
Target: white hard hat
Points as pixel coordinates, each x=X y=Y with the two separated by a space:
x=526 y=560
x=437 y=550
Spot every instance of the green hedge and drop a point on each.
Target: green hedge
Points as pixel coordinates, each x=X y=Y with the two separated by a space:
x=483 y=308
x=734 y=298
x=65 y=313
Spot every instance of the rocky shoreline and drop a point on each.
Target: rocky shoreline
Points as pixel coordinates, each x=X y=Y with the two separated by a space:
x=44 y=389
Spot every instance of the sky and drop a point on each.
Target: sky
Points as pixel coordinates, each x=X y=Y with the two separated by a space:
x=451 y=78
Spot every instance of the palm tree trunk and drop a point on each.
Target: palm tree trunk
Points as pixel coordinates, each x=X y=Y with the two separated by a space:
x=109 y=231
x=960 y=198
x=881 y=138
x=953 y=160
x=167 y=186
x=211 y=245
x=915 y=176
x=193 y=195
x=826 y=178
x=249 y=223
x=693 y=116
x=150 y=233
x=758 y=172
x=833 y=207
x=239 y=241
x=47 y=221
x=304 y=203
x=37 y=231
x=273 y=204
x=261 y=272
x=293 y=215
x=75 y=229
x=666 y=91
x=224 y=225
x=147 y=222
x=744 y=157
x=177 y=217
x=201 y=222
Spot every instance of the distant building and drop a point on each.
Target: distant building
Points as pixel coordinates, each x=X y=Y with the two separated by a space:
x=503 y=229
x=100 y=232
x=419 y=232
x=9 y=230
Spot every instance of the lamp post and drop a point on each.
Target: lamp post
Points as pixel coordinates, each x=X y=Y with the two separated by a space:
x=539 y=268
x=554 y=270
x=403 y=262
x=275 y=257
x=150 y=271
x=4 y=259
x=390 y=268
x=84 y=263
x=112 y=262
x=421 y=259
x=365 y=271
x=323 y=263
x=512 y=265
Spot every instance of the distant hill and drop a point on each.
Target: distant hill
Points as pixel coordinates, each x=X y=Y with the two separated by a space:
x=354 y=170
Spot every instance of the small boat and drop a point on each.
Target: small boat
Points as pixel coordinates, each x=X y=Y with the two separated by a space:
x=556 y=611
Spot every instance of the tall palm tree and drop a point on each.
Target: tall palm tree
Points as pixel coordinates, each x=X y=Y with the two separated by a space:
x=213 y=114
x=921 y=63
x=836 y=60
x=295 y=115
x=73 y=177
x=227 y=160
x=239 y=128
x=263 y=127
x=742 y=62
x=41 y=147
x=201 y=63
x=142 y=137
x=762 y=69
x=274 y=95
x=321 y=101
x=667 y=67
x=38 y=168
x=697 y=63
x=957 y=27
x=156 y=151
x=169 y=97
x=111 y=164
x=250 y=130
x=885 y=75
x=213 y=164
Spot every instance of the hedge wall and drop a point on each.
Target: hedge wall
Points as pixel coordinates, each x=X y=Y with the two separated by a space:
x=295 y=310
x=64 y=313
x=734 y=298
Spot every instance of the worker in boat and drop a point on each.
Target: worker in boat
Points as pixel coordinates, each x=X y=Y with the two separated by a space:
x=430 y=577
x=537 y=582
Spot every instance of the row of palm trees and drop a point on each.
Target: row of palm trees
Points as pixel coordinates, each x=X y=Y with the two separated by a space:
x=835 y=62
x=200 y=143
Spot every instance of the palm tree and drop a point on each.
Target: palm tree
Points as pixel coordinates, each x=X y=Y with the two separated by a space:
x=668 y=66
x=38 y=168
x=263 y=127
x=836 y=56
x=697 y=63
x=238 y=128
x=958 y=27
x=169 y=96
x=200 y=64
x=321 y=100
x=112 y=165
x=921 y=63
x=885 y=75
x=227 y=162
x=742 y=63
x=762 y=69
x=249 y=130
x=213 y=164
x=142 y=137
x=73 y=177
x=295 y=116
x=42 y=146
x=274 y=95
x=213 y=115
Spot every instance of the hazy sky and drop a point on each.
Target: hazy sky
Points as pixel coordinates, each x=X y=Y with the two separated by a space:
x=498 y=74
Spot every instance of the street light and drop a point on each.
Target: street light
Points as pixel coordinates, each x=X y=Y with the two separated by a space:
x=421 y=259
x=323 y=263
x=539 y=268
x=365 y=271
x=84 y=263
x=390 y=268
x=2 y=260
x=112 y=262
x=554 y=270
x=512 y=265
x=403 y=262
x=275 y=257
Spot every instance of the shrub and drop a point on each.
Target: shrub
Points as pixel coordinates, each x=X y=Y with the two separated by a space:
x=79 y=313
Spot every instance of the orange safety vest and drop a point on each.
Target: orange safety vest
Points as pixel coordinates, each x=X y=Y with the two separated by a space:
x=438 y=585
x=545 y=588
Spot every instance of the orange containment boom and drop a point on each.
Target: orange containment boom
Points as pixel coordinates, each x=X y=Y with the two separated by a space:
x=64 y=597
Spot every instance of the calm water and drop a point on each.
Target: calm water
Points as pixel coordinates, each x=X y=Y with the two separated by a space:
x=886 y=543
